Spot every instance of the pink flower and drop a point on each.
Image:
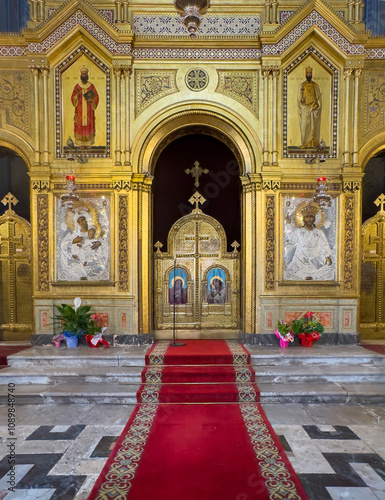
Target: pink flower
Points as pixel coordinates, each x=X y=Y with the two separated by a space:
x=309 y=314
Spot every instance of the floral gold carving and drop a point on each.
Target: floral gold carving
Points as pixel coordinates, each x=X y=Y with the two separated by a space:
x=348 y=245
x=123 y=243
x=270 y=242
x=152 y=86
x=43 y=262
x=241 y=86
x=374 y=100
x=197 y=79
x=13 y=98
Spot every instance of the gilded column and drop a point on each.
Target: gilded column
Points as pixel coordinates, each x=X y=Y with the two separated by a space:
x=265 y=75
x=35 y=71
x=275 y=73
x=118 y=82
x=267 y=11
x=347 y=74
x=357 y=74
x=274 y=12
x=45 y=71
x=350 y=11
x=41 y=10
x=357 y=13
x=125 y=11
x=127 y=147
x=118 y=4
x=32 y=10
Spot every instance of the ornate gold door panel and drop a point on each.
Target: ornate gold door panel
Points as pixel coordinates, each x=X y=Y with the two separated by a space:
x=15 y=275
x=198 y=275
x=372 y=306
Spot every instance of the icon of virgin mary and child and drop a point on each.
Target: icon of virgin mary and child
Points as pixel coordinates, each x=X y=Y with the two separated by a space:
x=84 y=253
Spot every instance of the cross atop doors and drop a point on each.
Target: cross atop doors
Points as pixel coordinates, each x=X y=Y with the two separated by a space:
x=196 y=172
x=9 y=200
x=380 y=201
x=197 y=199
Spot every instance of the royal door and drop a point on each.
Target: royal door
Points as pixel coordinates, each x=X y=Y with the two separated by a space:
x=197 y=279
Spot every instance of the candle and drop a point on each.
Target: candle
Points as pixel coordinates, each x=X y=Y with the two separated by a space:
x=321 y=179
x=70 y=177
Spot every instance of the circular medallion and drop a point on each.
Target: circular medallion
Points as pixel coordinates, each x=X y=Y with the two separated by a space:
x=197 y=79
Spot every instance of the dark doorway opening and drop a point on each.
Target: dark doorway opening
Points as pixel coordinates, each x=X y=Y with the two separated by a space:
x=221 y=187
x=14 y=179
x=373 y=185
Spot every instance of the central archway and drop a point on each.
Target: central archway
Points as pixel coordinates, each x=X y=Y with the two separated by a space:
x=243 y=143
x=202 y=242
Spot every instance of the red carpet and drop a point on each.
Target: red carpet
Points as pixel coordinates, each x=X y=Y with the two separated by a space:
x=380 y=348
x=195 y=373
x=7 y=350
x=198 y=451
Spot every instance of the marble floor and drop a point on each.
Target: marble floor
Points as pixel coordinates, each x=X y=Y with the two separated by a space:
x=338 y=450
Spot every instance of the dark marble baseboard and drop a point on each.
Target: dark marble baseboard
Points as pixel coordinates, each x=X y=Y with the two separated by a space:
x=325 y=339
x=113 y=340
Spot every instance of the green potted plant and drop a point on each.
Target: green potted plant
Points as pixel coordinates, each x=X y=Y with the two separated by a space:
x=284 y=334
x=75 y=321
x=307 y=329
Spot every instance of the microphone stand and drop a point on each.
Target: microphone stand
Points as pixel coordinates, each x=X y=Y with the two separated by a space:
x=174 y=343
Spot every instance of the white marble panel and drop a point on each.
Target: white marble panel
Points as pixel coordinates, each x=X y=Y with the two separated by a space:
x=306 y=457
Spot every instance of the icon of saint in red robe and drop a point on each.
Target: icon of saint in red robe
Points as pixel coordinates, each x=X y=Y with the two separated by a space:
x=85 y=99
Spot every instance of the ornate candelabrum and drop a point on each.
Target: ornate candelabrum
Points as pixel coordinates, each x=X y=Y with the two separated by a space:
x=192 y=12
x=321 y=196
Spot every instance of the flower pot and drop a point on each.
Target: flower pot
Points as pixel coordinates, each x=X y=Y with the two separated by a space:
x=284 y=343
x=306 y=340
x=57 y=343
x=72 y=341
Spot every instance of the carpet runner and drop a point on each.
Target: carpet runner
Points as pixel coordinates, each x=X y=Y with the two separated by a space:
x=213 y=442
x=8 y=350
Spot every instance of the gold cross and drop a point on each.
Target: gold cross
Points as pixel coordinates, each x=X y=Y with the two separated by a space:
x=158 y=245
x=380 y=201
x=197 y=199
x=196 y=172
x=10 y=200
x=235 y=245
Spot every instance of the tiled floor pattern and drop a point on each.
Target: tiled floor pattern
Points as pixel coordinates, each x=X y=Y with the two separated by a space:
x=338 y=451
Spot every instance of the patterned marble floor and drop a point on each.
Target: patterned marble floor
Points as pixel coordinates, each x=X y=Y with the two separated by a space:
x=338 y=451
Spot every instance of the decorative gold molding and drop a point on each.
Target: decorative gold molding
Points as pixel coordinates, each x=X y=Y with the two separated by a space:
x=271 y=185
x=351 y=186
x=150 y=86
x=349 y=243
x=43 y=242
x=241 y=86
x=40 y=186
x=123 y=243
x=121 y=185
x=270 y=242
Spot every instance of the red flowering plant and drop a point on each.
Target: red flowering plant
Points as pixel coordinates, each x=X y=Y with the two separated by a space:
x=307 y=329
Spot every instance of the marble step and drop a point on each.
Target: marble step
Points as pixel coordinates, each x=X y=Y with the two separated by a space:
x=319 y=374
x=46 y=374
x=347 y=393
x=126 y=393
x=295 y=374
x=81 y=356
x=316 y=355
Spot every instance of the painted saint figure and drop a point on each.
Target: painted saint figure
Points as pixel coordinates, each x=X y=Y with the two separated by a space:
x=177 y=293
x=85 y=98
x=217 y=293
x=309 y=110
x=308 y=253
